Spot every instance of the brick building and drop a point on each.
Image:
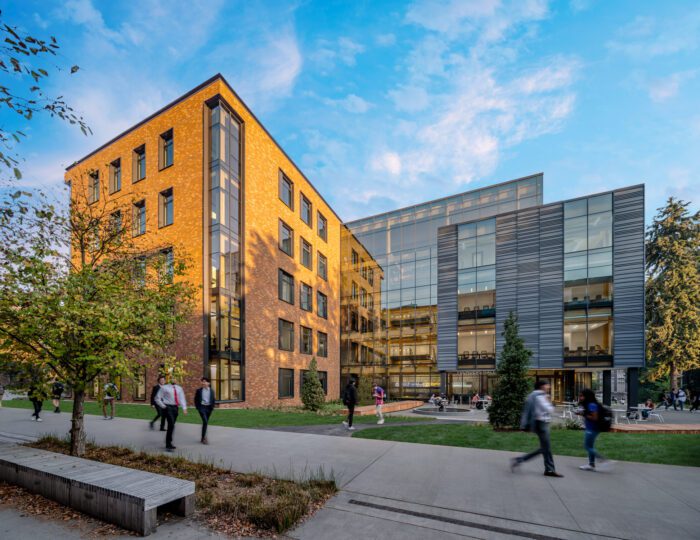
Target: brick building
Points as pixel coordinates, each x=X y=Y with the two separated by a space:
x=202 y=176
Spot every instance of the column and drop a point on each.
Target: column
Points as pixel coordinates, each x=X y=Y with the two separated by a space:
x=632 y=387
x=607 y=387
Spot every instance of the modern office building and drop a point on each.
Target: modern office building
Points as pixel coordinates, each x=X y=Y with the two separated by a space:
x=202 y=176
x=414 y=298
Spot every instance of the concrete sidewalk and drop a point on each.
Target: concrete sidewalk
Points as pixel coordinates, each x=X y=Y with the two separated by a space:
x=401 y=490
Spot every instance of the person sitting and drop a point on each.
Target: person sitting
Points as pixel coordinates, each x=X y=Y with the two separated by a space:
x=649 y=404
x=432 y=400
x=476 y=401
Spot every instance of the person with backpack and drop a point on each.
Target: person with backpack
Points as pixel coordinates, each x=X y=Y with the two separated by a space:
x=378 y=395
x=596 y=419
x=109 y=395
x=537 y=414
x=56 y=392
x=350 y=400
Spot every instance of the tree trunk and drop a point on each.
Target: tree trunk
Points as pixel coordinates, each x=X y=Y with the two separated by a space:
x=672 y=375
x=77 y=430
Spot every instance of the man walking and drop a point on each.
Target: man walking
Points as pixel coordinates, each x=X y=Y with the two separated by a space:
x=204 y=401
x=378 y=395
x=160 y=413
x=110 y=393
x=350 y=400
x=681 y=398
x=171 y=397
x=36 y=396
x=56 y=392
x=537 y=415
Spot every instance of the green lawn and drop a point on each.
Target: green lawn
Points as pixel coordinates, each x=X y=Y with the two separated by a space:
x=241 y=418
x=666 y=449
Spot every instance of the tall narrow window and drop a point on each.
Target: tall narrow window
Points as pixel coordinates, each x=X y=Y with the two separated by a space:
x=165 y=208
x=286 y=335
x=116 y=222
x=322 y=305
x=139 y=218
x=286 y=383
x=306 y=210
x=306 y=256
x=286 y=286
x=166 y=150
x=322 y=349
x=286 y=189
x=322 y=226
x=115 y=176
x=355 y=260
x=93 y=186
x=168 y=265
x=306 y=297
x=322 y=265
x=139 y=163
x=306 y=338
x=286 y=239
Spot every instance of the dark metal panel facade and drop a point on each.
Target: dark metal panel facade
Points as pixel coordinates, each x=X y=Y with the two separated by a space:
x=551 y=286
x=628 y=277
x=506 y=273
x=528 y=267
x=447 y=299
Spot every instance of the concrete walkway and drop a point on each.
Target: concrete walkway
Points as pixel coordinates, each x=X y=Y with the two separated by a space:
x=401 y=490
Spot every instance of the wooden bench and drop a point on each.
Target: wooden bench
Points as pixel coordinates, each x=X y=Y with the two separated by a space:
x=126 y=497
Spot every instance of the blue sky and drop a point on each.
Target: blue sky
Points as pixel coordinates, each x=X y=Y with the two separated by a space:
x=384 y=104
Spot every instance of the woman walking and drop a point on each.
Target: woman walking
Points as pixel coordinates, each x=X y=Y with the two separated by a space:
x=36 y=396
x=590 y=409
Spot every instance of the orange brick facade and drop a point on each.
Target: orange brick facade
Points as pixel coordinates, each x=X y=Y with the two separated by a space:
x=261 y=210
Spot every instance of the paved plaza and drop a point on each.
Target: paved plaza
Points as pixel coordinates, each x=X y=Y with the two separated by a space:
x=403 y=491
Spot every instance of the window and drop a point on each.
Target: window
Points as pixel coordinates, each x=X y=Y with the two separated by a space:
x=363 y=268
x=363 y=297
x=306 y=257
x=322 y=265
x=305 y=210
x=322 y=377
x=116 y=222
x=286 y=286
x=305 y=297
x=139 y=163
x=322 y=226
x=354 y=291
x=139 y=218
x=286 y=239
x=355 y=260
x=115 y=176
x=286 y=189
x=322 y=349
x=286 y=383
x=168 y=265
x=306 y=339
x=138 y=392
x=166 y=150
x=165 y=208
x=370 y=276
x=321 y=305
x=140 y=271
x=93 y=186
x=286 y=335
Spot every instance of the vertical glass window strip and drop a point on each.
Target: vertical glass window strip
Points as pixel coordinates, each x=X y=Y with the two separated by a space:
x=286 y=335
x=286 y=190
x=306 y=297
x=139 y=159
x=94 y=187
x=139 y=218
x=115 y=176
x=286 y=239
x=306 y=210
x=166 y=149
x=306 y=254
x=165 y=210
x=306 y=340
x=322 y=265
x=322 y=349
x=322 y=226
x=286 y=286
x=322 y=305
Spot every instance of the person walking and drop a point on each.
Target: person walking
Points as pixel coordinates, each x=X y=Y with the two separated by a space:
x=160 y=413
x=590 y=410
x=537 y=414
x=109 y=396
x=56 y=392
x=695 y=402
x=350 y=400
x=378 y=395
x=674 y=399
x=2 y=392
x=681 y=398
x=204 y=401
x=171 y=397
x=36 y=396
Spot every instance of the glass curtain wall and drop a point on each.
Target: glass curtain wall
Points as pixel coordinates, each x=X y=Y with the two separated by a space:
x=588 y=282
x=399 y=347
x=225 y=318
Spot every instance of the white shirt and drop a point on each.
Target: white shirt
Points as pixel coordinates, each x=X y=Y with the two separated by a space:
x=166 y=396
x=543 y=407
x=206 y=396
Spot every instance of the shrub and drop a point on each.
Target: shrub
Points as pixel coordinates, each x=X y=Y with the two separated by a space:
x=312 y=395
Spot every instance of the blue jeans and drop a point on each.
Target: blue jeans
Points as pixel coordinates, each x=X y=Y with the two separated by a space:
x=589 y=438
x=542 y=431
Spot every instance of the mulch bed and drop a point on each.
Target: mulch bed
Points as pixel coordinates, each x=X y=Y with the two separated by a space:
x=231 y=503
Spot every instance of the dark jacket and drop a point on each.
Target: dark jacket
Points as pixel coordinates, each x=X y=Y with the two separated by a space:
x=154 y=393
x=350 y=395
x=198 y=399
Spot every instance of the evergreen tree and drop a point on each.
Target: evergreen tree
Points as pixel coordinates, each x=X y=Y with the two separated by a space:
x=364 y=390
x=673 y=291
x=512 y=383
x=312 y=395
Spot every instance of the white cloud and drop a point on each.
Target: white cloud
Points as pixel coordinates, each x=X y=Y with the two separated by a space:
x=578 y=6
x=665 y=88
x=385 y=40
x=351 y=103
x=389 y=162
x=328 y=53
x=410 y=98
x=645 y=37
x=451 y=16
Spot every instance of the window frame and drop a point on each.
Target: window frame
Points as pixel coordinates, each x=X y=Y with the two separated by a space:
x=303 y=198
x=310 y=335
x=164 y=138
x=288 y=371
x=135 y=154
x=302 y=244
x=318 y=344
x=115 y=166
x=320 y=295
x=280 y=322
x=320 y=218
x=280 y=275
x=282 y=177
x=282 y=224
x=93 y=186
x=162 y=202
x=135 y=214
x=321 y=257
x=301 y=297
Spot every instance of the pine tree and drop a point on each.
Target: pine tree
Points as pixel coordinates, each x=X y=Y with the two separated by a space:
x=312 y=395
x=673 y=291
x=512 y=383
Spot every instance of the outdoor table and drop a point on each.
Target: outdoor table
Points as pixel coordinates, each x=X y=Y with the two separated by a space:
x=568 y=410
x=622 y=413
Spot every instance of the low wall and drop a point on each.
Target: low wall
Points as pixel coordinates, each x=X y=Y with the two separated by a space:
x=393 y=406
